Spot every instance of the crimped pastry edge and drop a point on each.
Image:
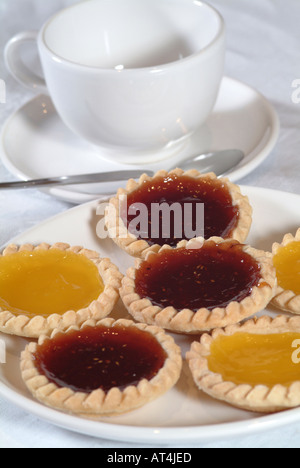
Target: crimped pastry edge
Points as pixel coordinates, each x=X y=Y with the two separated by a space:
x=140 y=248
x=22 y=325
x=283 y=299
x=188 y=322
x=259 y=398
x=98 y=403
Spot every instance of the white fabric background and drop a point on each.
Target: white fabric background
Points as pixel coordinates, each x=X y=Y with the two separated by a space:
x=264 y=52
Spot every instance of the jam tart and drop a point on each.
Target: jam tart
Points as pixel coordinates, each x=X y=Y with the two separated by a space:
x=227 y=213
x=286 y=259
x=101 y=368
x=200 y=285
x=45 y=287
x=253 y=366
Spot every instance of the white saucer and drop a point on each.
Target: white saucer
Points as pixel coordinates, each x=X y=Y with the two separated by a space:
x=35 y=143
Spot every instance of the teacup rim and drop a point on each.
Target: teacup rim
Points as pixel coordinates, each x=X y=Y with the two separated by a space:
x=219 y=37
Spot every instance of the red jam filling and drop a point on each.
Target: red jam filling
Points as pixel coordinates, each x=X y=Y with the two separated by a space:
x=100 y=358
x=210 y=277
x=220 y=216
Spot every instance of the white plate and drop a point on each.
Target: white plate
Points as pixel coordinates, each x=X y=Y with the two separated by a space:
x=183 y=414
x=35 y=143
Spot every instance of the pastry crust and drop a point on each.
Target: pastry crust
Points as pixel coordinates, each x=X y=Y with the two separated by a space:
x=188 y=321
x=259 y=398
x=98 y=402
x=284 y=299
x=22 y=325
x=139 y=247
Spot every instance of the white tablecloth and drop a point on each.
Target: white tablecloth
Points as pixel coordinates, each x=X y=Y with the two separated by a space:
x=264 y=52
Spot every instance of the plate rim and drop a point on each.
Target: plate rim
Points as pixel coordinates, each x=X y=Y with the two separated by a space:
x=155 y=434
x=147 y=434
x=236 y=174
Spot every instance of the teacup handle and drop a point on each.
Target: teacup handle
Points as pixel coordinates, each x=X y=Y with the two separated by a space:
x=17 y=68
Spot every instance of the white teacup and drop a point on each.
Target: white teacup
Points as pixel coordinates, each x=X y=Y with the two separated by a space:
x=133 y=77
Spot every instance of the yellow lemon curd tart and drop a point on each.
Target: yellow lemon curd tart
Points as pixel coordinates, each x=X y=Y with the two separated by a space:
x=46 y=286
x=254 y=365
x=286 y=259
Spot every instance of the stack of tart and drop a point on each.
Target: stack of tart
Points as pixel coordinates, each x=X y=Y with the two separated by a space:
x=191 y=285
x=191 y=279
x=209 y=285
x=81 y=361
